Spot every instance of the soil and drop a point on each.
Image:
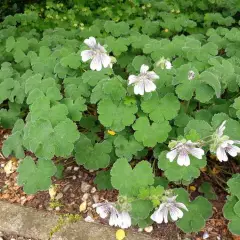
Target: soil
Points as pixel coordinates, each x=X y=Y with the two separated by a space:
x=4 y=236
x=70 y=196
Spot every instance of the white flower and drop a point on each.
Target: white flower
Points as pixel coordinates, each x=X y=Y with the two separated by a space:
x=168 y=64
x=117 y=219
x=227 y=147
x=224 y=145
x=144 y=81
x=191 y=75
x=169 y=206
x=97 y=53
x=164 y=63
x=182 y=150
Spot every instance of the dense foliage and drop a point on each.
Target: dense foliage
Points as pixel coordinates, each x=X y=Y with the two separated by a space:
x=59 y=107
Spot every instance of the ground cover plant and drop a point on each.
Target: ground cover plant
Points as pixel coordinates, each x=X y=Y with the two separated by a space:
x=144 y=92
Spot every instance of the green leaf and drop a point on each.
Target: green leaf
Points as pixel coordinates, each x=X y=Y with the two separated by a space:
x=138 y=61
x=200 y=207
x=116 y=29
x=152 y=193
x=6 y=88
x=161 y=109
x=75 y=87
x=127 y=181
x=108 y=89
x=50 y=141
x=117 y=45
x=59 y=171
x=75 y=107
x=92 y=156
x=73 y=61
x=8 y=117
x=208 y=191
x=35 y=177
x=10 y=44
x=13 y=144
x=126 y=147
x=116 y=116
x=141 y=209
x=93 y=77
x=103 y=180
x=162 y=181
x=65 y=135
x=174 y=172
x=228 y=209
x=200 y=126
x=236 y=105
x=233 y=184
x=212 y=80
x=231 y=212
x=150 y=135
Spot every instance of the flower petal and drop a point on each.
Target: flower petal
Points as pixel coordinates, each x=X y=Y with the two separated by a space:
x=175 y=213
x=113 y=220
x=152 y=75
x=144 y=68
x=221 y=154
x=165 y=214
x=221 y=129
x=172 y=155
x=103 y=209
x=86 y=55
x=149 y=86
x=132 y=79
x=196 y=152
x=233 y=150
x=139 y=88
x=157 y=216
x=181 y=205
x=96 y=63
x=124 y=220
x=106 y=60
x=183 y=159
x=90 y=42
x=168 y=64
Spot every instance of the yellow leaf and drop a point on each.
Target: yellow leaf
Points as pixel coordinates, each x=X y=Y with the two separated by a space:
x=120 y=234
x=110 y=132
x=83 y=206
x=203 y=169
x=52 y=191
x=192 y=188
x=10 y=167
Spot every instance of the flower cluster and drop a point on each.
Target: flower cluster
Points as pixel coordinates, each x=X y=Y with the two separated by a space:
x=168 y=207
x=117 y=218
x=221 y=146
x=142 y=83
x=171 y=207
x=182 y=150
x=97 y=54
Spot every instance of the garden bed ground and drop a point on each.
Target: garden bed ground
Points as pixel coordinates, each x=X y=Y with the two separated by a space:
x=77 y=188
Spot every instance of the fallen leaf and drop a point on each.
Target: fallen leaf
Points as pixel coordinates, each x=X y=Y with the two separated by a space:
x=110 y=132
x=192 y=188
x=52 y=191
x=10 y=167
x=83 y=206
x=120 y=234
